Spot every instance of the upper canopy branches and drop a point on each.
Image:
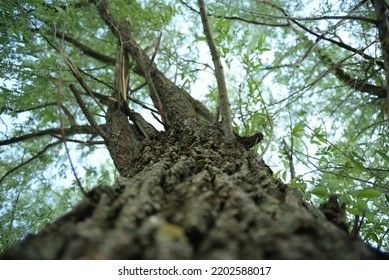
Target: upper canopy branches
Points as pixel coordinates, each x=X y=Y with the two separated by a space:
x=171 y=102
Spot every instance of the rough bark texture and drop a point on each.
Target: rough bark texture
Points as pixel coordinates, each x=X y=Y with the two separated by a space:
x=190 y=196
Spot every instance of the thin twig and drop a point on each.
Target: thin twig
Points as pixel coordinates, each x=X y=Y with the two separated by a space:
x=13 y=211
x=36 y=107
x=289 y=154
x=86 y=143
x=345 y=17
x=74 y=71
x=269 y=119
x=61 y=123
x=238 y=18
x=80 y=129
x=143 y=105
x=66 y=146
x=156 y=49
x=153 y=91
x=94 y=78
x=339 y=44
x=223 y=101
x=29 y=160
x=137 y=88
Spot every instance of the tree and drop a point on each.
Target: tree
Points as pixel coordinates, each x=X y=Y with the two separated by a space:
x=198 y=188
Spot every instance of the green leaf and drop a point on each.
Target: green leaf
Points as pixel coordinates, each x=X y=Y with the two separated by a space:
x=353 y=211
x=59 y=10
x=368 y=193
x=225 y=50
x=261 y=42
x=355 y=156
x=375 y=238
x=383 y=155
x=298 y=129
x=300 y=185
x=201 y=38
x=319 y=191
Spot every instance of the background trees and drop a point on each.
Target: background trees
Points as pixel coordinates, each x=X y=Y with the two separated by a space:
x=311 y=77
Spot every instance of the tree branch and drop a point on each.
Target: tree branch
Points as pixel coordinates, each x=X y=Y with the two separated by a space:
x=94 y=78
x=121 y=31
x=223 y=102
x=45 y=105
x=144 y=127
x=84 y=48
x=86 y=143
x=74 y=71
x=289 y=154
x=168 y=98
x=104 y=99
x=82 y=129
x=359 y=85
x=381 y=9
x=29 y=160
x=339 y=44
x=238 y=18
x=350 y=17
x=69 y=115
x=87 y=113
x=200 y=108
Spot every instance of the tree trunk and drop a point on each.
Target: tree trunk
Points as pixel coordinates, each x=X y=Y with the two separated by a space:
x=190 y=196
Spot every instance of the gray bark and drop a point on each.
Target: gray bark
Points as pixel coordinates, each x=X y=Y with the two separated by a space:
x=191 y=196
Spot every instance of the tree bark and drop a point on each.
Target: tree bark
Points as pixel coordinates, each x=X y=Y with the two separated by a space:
x=191 y=196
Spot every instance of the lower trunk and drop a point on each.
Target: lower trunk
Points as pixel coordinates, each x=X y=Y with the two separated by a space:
x=190 y=196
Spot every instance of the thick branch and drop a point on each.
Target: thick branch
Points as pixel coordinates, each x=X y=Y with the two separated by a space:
x=84 y=48
x=345 y=17
x=359 y=85
x=295 y=22
x=144 y=127
x=87 y=113
x=339 y=44
x=123 y=33
x=173 y=99
x=223 y=101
